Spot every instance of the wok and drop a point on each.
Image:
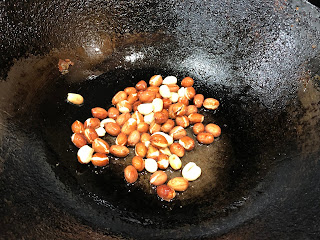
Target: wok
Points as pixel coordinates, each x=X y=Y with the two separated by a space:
x=260 y=60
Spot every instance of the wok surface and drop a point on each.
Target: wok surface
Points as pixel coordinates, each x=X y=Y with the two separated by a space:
x=261 y=62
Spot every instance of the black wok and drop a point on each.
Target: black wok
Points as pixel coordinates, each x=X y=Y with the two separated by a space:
x=260 y=60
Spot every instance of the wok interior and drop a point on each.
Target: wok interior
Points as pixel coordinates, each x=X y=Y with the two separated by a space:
x=252 y=138
x=261 y=70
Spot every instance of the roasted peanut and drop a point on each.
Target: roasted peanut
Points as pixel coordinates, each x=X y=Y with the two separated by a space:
x=124 y=106
x=120 y=96
x=75 y=98
x=214 y=129
x=198 y=100
x=166 y=103
x=78 y=140
x=184 y=100
x=100 y=159
x=150 y=165
x=99 y=112
x=133 y=138
x=145 y=139
x=155 y=80
x=129 y=126
x=178 y=132
x=147 y=96
x=112 y=129
x=187 y=143
x=198 y=128
x=121 y=139
x=183 y=121
x=90 y=134
x=158 y=141
x=165 y=151
x=195 y=118
x=174 y=88
x=177 y=149
x=119 y=151
x=100 y=146
x=104 y=121
x=168 y=137
x=130 y=90
x=92 y=123
x=168 y=126
x=143 y=127
x=152 y=152
x=154 y=89
x=132 y=98
x=178 y=184
x=77 y=127
x=85 y=154
x=191 y=109
x=178 y=109
x=211 y=103
x=190 y=93
x=138 y=117
x=154 y=127
x=141 y=150
x=175 y=162
x=130 y=174
x=191 y=171
x=205 y=138
x=123 y=118
x=187 y=82
x=113 y=113
x=165 y=192
x=163 y=161
x=141 y=86
x=138 y=163
x=158 y=178
x=161 y=117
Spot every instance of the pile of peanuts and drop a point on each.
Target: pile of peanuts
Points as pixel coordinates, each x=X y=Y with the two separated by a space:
x=153 y=120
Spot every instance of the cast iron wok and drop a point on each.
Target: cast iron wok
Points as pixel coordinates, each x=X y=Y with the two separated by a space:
x=261 y=61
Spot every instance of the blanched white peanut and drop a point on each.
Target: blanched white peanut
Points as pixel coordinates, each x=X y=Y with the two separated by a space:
x=174 y=97
x=175 y=162
x=151 y=165
x=191 y=171
x=170 y=80
x=75 y=98
x=164 y=91
x=182 y=92
x=149 y=118
x=104 y=121
x=167 y=136
x=101 y=131
x=145 y=108
x=157 y=105
x=85 y=154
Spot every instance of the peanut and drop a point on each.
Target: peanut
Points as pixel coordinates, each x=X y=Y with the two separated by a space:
x=211 y=103
x=130 y=174
x=119 y=151
x=205 y=138
x=75 y=98
x=191 y=171
x=214 y=129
